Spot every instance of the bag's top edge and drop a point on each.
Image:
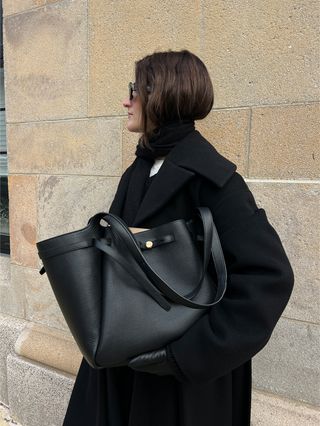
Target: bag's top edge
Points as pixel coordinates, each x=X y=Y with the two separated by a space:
x=92 y=224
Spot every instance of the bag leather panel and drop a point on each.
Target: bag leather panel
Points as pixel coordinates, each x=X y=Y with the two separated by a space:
x=160 y=326
x=83 y=296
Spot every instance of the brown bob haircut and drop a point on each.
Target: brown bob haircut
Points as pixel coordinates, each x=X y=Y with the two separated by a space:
x=172 y=86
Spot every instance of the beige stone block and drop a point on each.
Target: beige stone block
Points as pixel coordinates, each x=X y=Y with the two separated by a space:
x=67 y=202
x=16 y=6
x=39 y=300
x=23 y=219
x=12 y=300
x=261 y=52
x=10 y=328
x=4 y=269
x=90 y=147
x=271 y=410
x=121 y=33
x=12 y=295
x=289 y=364
x=293 y=209
x=285 y=142
x=227 y=131
x=129 y=144
x=45 y=51
x=54 y=348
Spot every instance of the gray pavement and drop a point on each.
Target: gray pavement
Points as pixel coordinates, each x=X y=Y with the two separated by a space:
x=5 y=418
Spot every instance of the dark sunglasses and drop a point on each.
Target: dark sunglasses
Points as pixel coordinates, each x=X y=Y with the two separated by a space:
x=133 y=88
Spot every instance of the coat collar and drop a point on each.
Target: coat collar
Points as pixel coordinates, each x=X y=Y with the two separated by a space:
x=193 y=155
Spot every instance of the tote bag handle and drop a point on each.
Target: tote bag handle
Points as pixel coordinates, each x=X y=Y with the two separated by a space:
x=211 y=246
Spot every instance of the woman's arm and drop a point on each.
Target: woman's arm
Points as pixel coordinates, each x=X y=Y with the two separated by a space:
x=260 y=281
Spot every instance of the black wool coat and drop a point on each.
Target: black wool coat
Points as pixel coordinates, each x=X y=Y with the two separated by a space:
x=215 y=353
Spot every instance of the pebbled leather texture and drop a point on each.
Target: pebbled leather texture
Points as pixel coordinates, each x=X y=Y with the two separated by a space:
x=120 y=301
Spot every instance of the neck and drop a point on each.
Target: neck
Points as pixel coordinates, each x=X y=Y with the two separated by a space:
x=165 y=138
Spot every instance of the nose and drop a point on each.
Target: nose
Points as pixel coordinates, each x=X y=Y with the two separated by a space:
x=126 y=102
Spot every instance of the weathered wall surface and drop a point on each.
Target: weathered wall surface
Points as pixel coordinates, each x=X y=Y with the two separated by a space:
x=67 y=64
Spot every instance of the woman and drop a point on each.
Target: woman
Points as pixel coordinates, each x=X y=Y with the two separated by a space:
x=204 y=377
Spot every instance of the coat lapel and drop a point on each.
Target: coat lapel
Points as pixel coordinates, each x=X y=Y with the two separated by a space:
x=196 y=154
x=170 y=178
x=193 y=155
x=120 y=195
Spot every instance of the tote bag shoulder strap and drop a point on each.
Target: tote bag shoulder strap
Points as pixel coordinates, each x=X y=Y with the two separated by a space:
x=211 y=246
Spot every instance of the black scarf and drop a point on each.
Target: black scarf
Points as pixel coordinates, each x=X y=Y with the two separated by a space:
x=161 y=143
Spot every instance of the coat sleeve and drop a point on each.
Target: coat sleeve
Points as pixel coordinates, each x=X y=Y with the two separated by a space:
x=260 y=281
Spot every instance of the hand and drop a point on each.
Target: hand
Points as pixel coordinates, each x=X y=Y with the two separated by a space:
x=154 y=362
x=160 y=362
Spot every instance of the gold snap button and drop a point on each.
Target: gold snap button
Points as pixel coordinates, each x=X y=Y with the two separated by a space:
x=149 y=244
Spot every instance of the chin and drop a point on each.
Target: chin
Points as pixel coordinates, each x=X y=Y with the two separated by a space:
x=133 y=128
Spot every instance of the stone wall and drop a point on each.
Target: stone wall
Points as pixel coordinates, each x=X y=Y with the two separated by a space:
x=67 y=64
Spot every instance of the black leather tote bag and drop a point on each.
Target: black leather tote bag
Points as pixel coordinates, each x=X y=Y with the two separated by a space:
x=123 y=294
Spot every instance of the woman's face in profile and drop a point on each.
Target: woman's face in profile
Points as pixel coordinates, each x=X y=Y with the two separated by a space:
x=133 y=104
